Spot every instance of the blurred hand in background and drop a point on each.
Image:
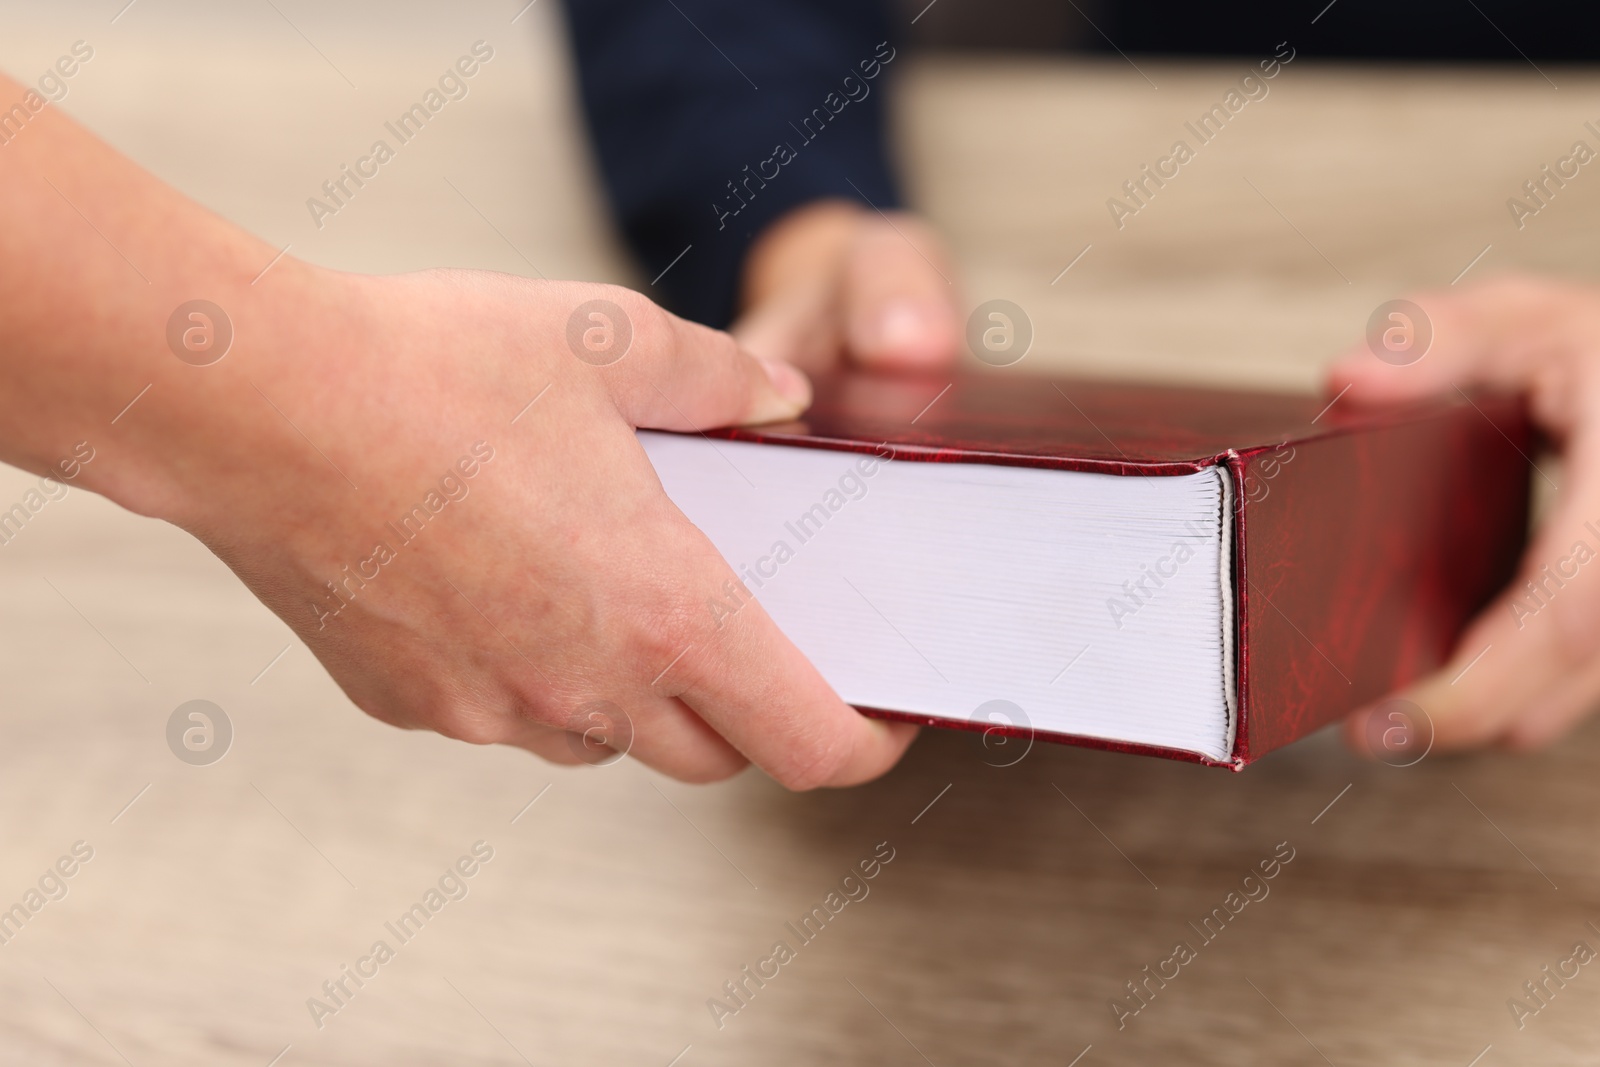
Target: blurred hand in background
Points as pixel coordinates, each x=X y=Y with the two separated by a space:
x=1541 y=674
x=753 y=180
x=835 y=281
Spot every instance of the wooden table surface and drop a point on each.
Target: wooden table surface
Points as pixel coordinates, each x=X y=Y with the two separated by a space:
x=1020 y=899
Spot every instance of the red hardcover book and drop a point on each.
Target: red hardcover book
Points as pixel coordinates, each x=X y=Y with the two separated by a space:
x=1193 y=573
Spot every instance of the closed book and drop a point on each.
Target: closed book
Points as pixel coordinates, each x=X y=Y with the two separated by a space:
x=1201 y=574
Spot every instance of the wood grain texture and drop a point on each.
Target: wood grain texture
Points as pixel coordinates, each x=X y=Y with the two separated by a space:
x=1017 y=904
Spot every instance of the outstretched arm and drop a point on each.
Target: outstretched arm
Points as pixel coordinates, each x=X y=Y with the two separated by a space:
x=433 y=478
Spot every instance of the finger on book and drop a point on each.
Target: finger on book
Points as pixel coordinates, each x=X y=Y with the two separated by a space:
x=1521 y=672
x=682 y=376
x=1557 y=710
x=755 y=688
x=669 y=737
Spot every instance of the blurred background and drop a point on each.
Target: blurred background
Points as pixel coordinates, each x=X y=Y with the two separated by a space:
x=1023 y=897
x=1008 y=138
x=1494 y=31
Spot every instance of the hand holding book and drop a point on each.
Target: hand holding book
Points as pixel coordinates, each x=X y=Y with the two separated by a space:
x=1525 y=671
x=433 y=478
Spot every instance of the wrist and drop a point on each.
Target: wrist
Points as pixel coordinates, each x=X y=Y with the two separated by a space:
x=186 y=426
x=106 y=378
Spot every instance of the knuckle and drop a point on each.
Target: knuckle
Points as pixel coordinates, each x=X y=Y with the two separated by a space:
x=711 y=770
x=656 y=336
x=537 y=708
x=665 y=635
x=822 y=762
x=651 y=324
x=651 y=344
x=463 y=719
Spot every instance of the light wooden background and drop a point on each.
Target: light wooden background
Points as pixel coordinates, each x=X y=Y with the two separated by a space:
x=618 y=903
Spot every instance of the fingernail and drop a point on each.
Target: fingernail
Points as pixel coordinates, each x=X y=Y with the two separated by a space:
x=792 y=385
x=903 y=324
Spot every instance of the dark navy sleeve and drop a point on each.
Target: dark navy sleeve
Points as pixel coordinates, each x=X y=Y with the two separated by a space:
x=712 y=118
